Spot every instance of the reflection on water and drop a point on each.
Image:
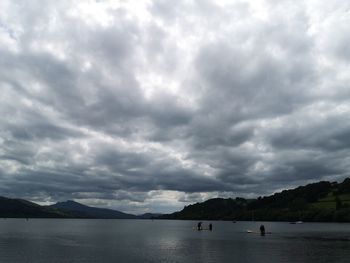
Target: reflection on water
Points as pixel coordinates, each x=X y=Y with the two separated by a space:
x=62 y=240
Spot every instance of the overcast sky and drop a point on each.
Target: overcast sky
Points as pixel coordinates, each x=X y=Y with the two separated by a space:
x=147 y=106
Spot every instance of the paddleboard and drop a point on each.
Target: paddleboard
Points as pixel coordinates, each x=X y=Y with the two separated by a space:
x=255 y=232
x=203 y=229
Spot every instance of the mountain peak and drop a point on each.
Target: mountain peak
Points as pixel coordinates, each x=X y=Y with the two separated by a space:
x=81 y=210
x=69 y=204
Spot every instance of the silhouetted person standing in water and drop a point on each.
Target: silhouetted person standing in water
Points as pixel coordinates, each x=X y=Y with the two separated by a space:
x=199 y=226
x=262 y=230
x=210 y=226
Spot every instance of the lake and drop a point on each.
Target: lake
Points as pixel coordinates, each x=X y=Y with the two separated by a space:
x=76 y=240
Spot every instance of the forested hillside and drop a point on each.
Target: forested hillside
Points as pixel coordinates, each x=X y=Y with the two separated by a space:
x=322 y=201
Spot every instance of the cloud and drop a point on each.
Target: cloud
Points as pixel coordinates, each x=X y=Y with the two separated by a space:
x=151 y=106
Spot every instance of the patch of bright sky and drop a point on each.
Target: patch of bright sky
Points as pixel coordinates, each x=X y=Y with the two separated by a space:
x=10 y=166
x=101 y=12
x=7 y=40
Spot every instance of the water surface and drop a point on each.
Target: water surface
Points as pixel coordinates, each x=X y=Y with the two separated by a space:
x=76 y=240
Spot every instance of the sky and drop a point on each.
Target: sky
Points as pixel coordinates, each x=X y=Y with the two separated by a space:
x=148 y=106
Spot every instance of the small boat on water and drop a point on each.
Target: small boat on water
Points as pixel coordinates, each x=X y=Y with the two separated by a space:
x=296 y=222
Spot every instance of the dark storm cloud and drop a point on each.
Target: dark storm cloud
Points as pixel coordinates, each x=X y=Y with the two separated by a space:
x=154 y=106
x=330 y=134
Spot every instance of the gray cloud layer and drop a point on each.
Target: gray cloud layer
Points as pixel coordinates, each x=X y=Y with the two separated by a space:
x=151 y=105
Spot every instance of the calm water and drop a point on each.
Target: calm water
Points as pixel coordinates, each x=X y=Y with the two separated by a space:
x=62 y=240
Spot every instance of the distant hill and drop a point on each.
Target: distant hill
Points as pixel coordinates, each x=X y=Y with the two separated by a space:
x=19 y=208
x=149 y=216
x=322 y=201
x=83 y=211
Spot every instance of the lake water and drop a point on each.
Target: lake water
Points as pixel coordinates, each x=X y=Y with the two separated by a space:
x=76 y=240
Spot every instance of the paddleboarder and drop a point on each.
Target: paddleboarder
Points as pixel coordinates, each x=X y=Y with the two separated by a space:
x=262 y=230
